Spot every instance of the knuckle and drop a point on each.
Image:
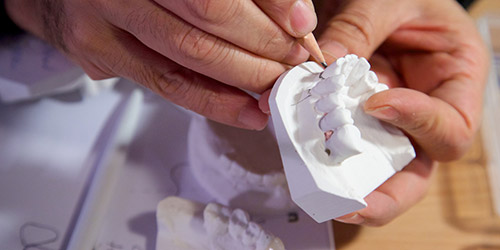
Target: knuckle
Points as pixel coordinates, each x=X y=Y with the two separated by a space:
x=173 y=84
x=54 y=20
x=275 y=43
x=80 y=40
x=199 y=47
x=455 y=146
x=204 y=102
x=214 y=12
x=445 y=143
x=259 y=82
x=184 y=89
x=144 y=22
x=88 y=38
x=355 y=24
x=421 y=127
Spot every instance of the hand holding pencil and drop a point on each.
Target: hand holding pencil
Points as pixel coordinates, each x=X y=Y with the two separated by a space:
x=197 y=54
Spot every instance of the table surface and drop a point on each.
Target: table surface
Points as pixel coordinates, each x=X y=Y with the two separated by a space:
x=456 y=213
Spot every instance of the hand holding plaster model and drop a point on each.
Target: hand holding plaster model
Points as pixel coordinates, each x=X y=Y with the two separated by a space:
x=431 y=56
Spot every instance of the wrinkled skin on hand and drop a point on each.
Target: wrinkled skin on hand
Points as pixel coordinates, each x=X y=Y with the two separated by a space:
x=431 y=55
x=198 y=54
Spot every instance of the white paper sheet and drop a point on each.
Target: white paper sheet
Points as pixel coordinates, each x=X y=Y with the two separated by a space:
x=47 y=152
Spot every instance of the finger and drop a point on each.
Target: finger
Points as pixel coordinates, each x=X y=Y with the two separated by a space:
x=188 y=46
x=396 y=195
x=240 y=22
x=441 y=128
x=131 y=59
x=296 y=17
x=360 y=29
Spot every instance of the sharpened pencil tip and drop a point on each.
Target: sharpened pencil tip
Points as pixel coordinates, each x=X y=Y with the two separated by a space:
x=324 y=64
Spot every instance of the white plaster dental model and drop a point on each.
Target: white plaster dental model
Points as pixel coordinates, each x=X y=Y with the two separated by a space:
x=333 y=153
x=188 y=225
x=239 y=168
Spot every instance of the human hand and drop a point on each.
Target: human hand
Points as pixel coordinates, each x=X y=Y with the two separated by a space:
x=433 y=59
x=198 y=54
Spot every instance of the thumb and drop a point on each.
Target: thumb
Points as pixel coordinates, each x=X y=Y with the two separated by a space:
x=359 y=27
x=296 y=17
x=434 y=124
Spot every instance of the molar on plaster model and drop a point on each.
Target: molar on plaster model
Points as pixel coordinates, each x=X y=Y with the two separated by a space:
x=333 y=153
x=189 y=225
x=239 y=168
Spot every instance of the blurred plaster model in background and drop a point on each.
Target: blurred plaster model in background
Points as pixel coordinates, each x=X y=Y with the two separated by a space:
x=239 y=168
x=184 y=224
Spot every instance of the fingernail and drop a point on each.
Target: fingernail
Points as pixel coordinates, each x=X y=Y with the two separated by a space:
x=264 y=102
x=252 y=118
x=387 y=113
x=302 y=18
x=332 y=50
x=354 y=219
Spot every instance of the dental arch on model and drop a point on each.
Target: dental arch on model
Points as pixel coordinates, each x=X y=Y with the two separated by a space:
x=333 y=153
x=337 y=95
x=188 y=225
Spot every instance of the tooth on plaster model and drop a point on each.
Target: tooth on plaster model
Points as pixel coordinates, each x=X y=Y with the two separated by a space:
x=188 y=225
x=333 y=153
x=239 y=168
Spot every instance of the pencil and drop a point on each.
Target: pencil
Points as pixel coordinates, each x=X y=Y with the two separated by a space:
x=311 y=45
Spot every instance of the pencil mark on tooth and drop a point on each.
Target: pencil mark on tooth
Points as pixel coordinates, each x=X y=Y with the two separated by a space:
x=344 y=143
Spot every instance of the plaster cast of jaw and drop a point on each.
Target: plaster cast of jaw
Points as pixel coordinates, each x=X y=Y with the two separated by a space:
x=189 y=225
x=329 y=178
x=229 y=163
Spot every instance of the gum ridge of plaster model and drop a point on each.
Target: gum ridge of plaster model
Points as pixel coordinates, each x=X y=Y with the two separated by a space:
x=333 y=153
x=188 y=225
x=229 y=164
